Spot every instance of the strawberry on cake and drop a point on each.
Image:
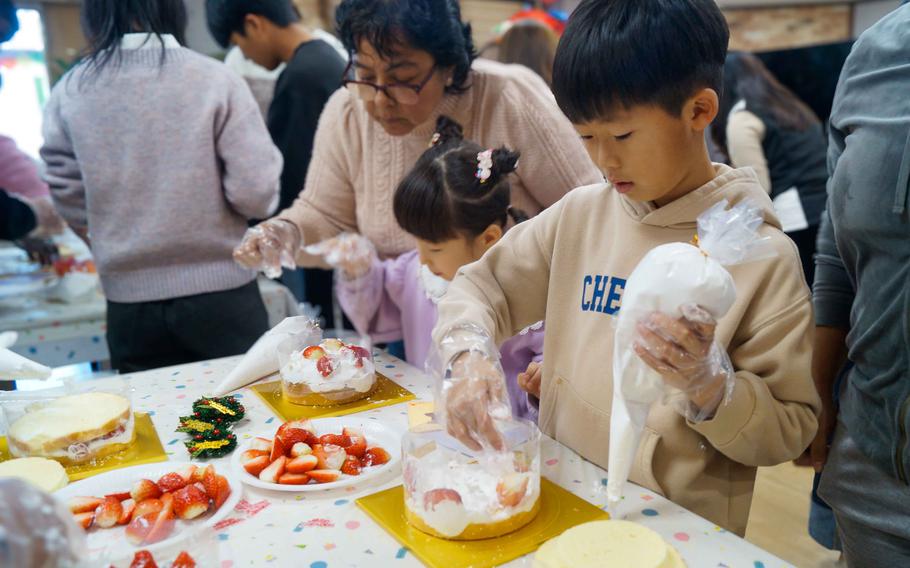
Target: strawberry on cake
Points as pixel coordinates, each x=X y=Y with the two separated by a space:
x=333 y=372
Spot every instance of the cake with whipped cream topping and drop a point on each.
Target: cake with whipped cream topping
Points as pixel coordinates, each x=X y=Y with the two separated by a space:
x=333 y=372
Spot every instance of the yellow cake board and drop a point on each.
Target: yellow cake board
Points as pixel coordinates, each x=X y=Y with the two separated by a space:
x=145 y=449
x=385 y=393
x=419 y=413
x=559 y=510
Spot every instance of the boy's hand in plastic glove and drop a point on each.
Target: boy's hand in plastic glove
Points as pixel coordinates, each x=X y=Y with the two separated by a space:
x=684 y=353
x=475 y=395
x=269 y=246
x=353 y=254
x=529 y=381
x=36 y=529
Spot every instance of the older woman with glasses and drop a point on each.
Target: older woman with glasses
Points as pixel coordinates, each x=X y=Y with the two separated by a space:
x=412 y=61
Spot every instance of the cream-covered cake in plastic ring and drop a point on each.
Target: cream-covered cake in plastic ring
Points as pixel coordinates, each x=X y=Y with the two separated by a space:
x=458 y=495
x=332 y=372
x=619 y=544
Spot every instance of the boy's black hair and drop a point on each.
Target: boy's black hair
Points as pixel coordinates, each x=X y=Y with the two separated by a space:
x=433 y=26
x=442 y=198
x=622 y=53
x=225 y=17
x=8 y=15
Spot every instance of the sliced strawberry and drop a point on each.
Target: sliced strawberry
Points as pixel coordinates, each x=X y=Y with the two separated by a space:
x=329 y=456
x=325 y=367
x=184 y=560
x=302 y=464
x=300 y=449
x=108 y=513
x=351 y=466
x=250 y=454
x=164 y=522
x=84 y=504
x=120 y=496
x=277 y=449
x=197 y=475
x=143 y=559
x=209 y=482
x=357 y=447
x=294 y=479
x=262 y=444
x=200 y=487
x=140 y=527
x=187 y=473
x=147 y=507
x=85 y=520
x=434 y=497
x=145 y=489
x=190 y=502
x=324 y=475
x=312 y=440
x=359 y=351
x=291 y=436
x=313 y=353
x=255 y=466
x=336 y=439
x=333 y=345
x=224 y=491
x=375 y=456
x=171 y=482
x=351 y=432
x=511 y=489
x=274 y=470
x=128 y=507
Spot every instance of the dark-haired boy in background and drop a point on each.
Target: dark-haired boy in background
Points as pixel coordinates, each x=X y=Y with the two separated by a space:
x=640 y=81
x=269 y=32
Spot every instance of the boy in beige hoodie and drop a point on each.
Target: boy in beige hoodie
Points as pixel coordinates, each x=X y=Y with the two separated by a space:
x=640 y=81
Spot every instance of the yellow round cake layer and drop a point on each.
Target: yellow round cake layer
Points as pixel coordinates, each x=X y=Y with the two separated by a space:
x=477 y=531
x=320 y=399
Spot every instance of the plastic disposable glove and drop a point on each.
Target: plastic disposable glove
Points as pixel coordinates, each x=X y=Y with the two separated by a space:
x=351 y=253
x=269 y=246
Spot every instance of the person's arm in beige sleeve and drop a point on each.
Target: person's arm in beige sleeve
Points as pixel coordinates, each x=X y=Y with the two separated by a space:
x=745 y=133
x=771 y=414
x=553 y=159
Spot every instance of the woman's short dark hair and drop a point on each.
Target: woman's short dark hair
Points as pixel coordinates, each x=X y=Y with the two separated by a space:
x=8 y=15
x=433 y=26
x=621 y=53
x=226 y=17
x=747 y=79
x=532 y=44
x=442 y=198
x=105 y=22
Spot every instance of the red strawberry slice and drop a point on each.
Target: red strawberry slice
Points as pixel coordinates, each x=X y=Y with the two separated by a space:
x=108 y=513
x=184 y=560
x=302 y=464
x=375 y=456
x=333 y=345
x=190 y=502
x=358 y=447
x=325 y=475
x=164 y=523
x=294 y=479
x=119 y=496
x=256 y=465
x=140 y=527
x=210 y=482
x=325 y=367
x=300 y=449
x=337 y=439
x=85 y=520
x=432 y=498
x=313 y=353
x=224 y=491
x=128 y=507
x=351 y=466
x=187 y=473
x=329 y=456
x=148 y=507
x=359 y=351
x=143 y=559
x=171 y=482
x=274 y=471
x=291 y=436
x=251 y=454
x=511 y=489
x=145 y=489
x=84 y=504
x=261 y=444
x=278 y=449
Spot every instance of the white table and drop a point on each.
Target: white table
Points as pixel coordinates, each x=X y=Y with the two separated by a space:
x=327 y=529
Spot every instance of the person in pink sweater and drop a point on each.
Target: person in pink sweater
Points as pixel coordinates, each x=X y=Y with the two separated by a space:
x=412 y=61
x=455 y=203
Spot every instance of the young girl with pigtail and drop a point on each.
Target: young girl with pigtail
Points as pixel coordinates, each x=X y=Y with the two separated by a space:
x=455 y=202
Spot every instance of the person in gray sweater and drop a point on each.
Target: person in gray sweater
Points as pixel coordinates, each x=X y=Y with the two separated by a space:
x=862 y=301
x=161 y=156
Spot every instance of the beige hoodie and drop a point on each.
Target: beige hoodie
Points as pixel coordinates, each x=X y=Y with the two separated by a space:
x=569 y=266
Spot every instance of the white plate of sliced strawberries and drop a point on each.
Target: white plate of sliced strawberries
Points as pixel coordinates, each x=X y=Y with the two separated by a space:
x=149 y=506
x=314 y=455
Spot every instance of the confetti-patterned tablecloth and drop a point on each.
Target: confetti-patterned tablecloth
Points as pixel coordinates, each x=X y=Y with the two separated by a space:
x=57 y=334
x=326 y=530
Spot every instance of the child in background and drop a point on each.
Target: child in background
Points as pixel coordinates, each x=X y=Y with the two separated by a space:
x=640 y=81
x=455 y=203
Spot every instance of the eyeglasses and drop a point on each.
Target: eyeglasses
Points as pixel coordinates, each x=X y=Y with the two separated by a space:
x=402 y=93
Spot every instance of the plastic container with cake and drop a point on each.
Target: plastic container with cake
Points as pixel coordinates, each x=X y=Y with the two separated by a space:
x=454 y=493
x=71 y=426
x=316 y=371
